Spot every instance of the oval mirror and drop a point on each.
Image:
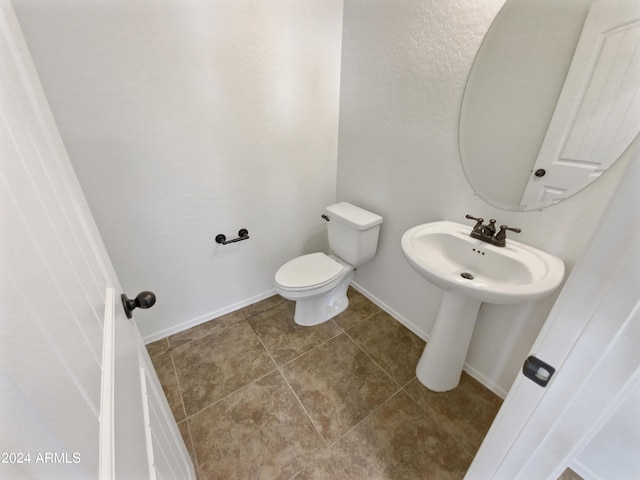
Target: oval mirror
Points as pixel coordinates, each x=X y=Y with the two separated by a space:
x=552 y=99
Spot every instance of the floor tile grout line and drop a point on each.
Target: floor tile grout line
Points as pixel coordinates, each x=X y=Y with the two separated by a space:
x=373 y=411
x=243 y=387
x=171 y=348
x=187 y=415
x=175 y=373
x=303 y=353
x=435 y=419
x=317 y=454
x=396 y=391
x=374 y=360
x=330 y=445
x=378 y=407
x=184 y=408
x=254 y=314
x=276 y=367
x=342 y=331
x=324 y=440
x=245 y=316
x=293 y=391
x=401 y=387
x=315 y=347
x=362 y=320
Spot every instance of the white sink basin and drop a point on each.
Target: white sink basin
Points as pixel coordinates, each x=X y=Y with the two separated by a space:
x=470 y=272
x=445 y=254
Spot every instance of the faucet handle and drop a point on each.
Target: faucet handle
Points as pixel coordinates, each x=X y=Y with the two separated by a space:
x=490 y=230
x=478 y=226
x=502 y=234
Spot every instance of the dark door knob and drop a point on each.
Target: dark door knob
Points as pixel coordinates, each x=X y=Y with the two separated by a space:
x=143 y=300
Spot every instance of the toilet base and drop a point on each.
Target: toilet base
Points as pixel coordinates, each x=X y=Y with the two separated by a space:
x=315 y=310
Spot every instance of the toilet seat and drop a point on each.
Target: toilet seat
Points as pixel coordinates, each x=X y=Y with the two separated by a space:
x=308 y=272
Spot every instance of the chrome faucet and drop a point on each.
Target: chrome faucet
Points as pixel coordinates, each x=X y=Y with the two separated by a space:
x=487 y=233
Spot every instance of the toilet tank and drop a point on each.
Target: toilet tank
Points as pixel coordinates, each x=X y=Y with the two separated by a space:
x=353 y=233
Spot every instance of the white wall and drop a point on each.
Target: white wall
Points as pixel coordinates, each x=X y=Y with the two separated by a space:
x=404 y=67
x=189 y=118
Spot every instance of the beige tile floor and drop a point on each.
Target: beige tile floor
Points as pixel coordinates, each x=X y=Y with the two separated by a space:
x=258 y=397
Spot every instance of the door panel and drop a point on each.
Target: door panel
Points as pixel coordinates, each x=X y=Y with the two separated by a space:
x=172 y=462
x=50 y=344
x=54 y=271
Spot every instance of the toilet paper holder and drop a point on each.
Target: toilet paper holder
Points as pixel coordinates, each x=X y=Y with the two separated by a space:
x=243 y=234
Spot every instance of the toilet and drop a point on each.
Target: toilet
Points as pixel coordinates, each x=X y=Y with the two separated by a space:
x=318 y=282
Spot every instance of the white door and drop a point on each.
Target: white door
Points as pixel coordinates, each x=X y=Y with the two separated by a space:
x=598 y=112
x=57 y=286
x=591 y=337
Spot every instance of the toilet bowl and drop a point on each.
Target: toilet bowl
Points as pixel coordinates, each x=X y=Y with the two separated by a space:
x=318 y=282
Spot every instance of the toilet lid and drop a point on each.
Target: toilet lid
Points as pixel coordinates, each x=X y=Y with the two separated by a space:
x=308 y=271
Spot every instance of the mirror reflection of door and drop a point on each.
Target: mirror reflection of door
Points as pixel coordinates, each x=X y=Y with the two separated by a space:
x=598 y=113
x=552 y=100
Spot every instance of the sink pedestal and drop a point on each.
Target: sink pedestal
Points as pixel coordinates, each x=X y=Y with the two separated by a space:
x=470 y=272
x=440 y=366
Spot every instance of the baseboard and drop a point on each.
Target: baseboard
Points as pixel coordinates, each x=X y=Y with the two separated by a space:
x=407 y=323
x=487 y=382
x=206 y=317
x=501 y=392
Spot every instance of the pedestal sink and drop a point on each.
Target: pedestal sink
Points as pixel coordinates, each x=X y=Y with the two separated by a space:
x=470 y=272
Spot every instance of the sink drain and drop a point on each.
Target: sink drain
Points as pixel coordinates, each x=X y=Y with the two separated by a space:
x=466 y=275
